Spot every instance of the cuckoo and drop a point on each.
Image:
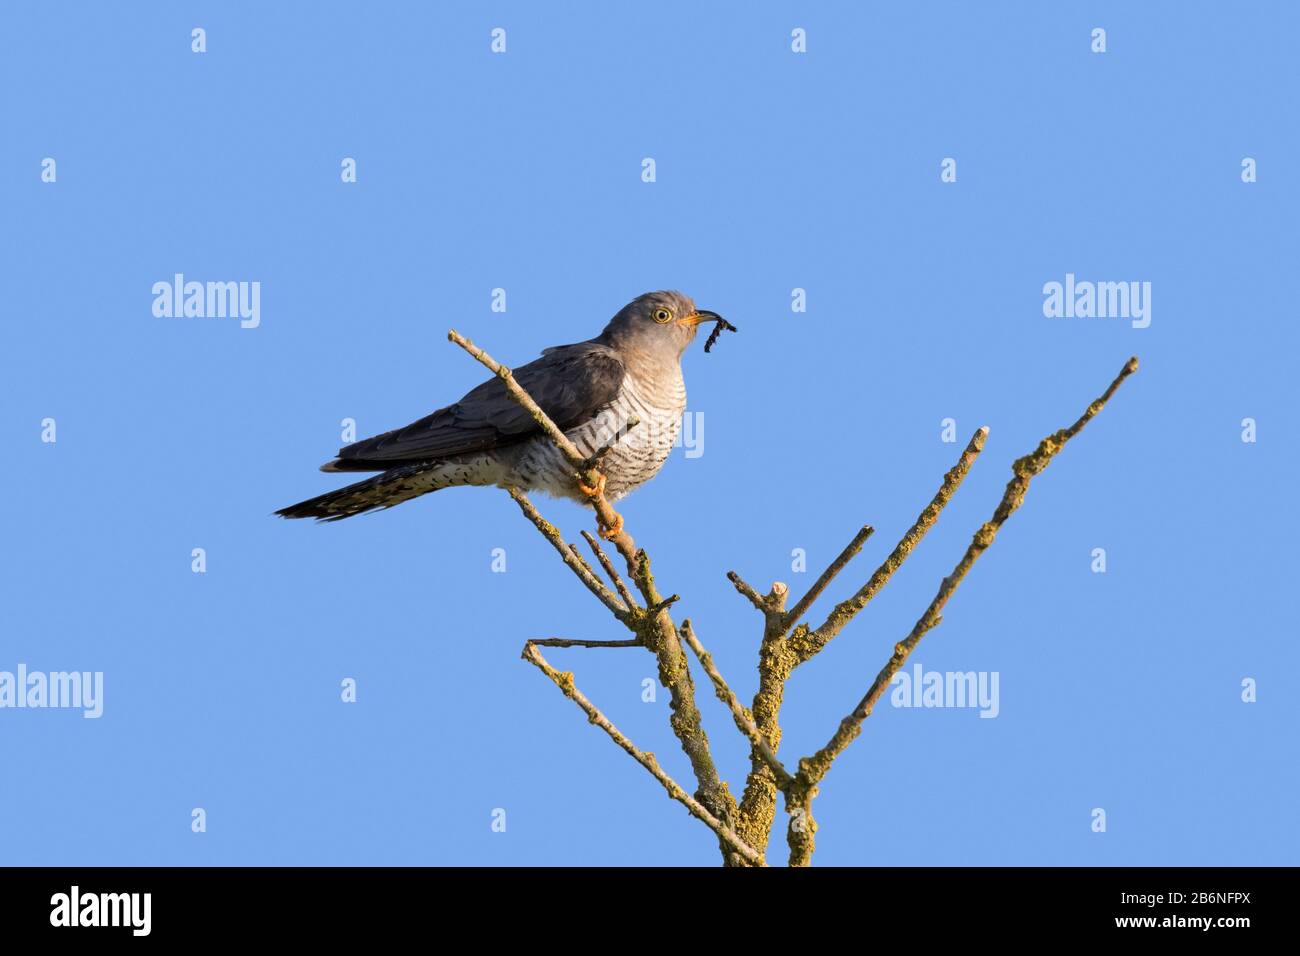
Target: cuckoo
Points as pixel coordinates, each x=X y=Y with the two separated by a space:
x=591 y=390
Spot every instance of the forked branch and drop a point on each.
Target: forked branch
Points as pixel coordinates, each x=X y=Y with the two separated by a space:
x=807 y=643
x=779 y=655
x=813 y=769
x=743 y=718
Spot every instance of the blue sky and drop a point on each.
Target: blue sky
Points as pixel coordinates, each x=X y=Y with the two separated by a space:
x=522 y=171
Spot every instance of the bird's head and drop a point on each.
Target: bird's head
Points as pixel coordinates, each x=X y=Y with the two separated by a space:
x=658 y=325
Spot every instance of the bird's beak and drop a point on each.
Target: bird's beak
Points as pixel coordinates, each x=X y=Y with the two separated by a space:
x=701 y=315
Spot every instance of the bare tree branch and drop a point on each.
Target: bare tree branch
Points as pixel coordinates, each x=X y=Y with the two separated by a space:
x=577 y=556
x=564 y=681
x=570 y=556
x=778 y=655
x=574 y=642
x=847 y=555
x=752 y=596
x=614 y=576
x=516 y=391
x=744 y=720
x=660 y=635
x=663 y=605
x=812 y=770
x=757 y=810
x=805 y=643
x=584 y=477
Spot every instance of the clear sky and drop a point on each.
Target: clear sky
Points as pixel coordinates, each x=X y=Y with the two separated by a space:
x=774 y=171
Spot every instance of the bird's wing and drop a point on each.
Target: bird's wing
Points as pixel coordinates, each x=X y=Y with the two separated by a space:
x=571 y=383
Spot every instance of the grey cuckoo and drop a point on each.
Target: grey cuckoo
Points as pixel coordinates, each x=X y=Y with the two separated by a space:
x=590 y=390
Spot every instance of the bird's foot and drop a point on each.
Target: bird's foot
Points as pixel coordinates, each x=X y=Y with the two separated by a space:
x=612 y=531
x=597 y=491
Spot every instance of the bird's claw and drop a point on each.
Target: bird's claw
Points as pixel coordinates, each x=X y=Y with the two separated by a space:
x=608 y=532
x=597 y=491
x=612 y=531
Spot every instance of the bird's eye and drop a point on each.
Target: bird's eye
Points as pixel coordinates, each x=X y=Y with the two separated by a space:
x=662 y=315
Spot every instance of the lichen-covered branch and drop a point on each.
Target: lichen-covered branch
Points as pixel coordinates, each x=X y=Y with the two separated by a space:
x=775 y=662
x=744 y=720
x=660 y=635
x=813 y=769
x=779 y=655
x=564 y=681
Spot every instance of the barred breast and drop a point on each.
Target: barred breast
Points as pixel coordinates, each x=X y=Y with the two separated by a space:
x=658 y=401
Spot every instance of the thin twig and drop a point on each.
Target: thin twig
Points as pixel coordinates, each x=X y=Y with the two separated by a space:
x=814 y=768
x=744 y=720
x=660 y=606
x=564 y=681
x=779 y=655
x=807 y=643
x=608 y=565
x=570 y=556
x=847 y=555
x=605 y=513
x=577 y=556
x=748 y=592
x=516 y=391
x=573 y=642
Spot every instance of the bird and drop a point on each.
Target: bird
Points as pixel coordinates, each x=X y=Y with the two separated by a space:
x=591 y=390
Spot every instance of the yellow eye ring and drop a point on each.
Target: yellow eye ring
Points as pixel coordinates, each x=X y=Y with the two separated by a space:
x=662 y=315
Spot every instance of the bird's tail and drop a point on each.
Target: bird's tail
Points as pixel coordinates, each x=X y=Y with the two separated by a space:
x=382 y=491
